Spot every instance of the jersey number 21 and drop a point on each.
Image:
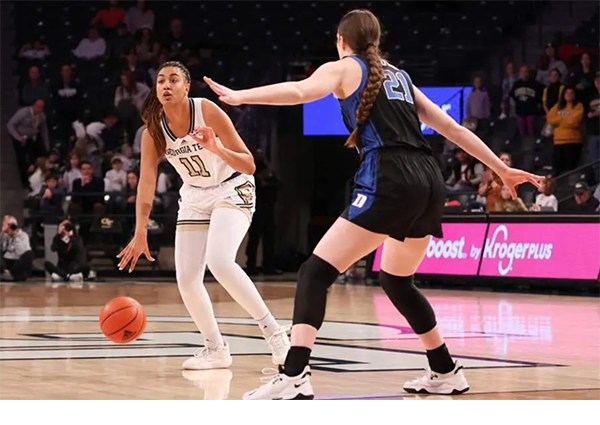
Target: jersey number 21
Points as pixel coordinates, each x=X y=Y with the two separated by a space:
x=391 y=84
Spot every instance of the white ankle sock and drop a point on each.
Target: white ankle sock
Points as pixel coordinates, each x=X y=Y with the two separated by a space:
x=268 y=325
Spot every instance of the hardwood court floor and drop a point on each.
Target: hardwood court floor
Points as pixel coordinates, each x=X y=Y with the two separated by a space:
x=514 y=346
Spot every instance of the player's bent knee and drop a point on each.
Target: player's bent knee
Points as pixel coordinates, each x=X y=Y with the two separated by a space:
x=409 y=301
x=219 y=264
x=314 y=279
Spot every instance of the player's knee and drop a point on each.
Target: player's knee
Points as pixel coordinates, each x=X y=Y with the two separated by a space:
x=314 y=278
x=316 y=274
x=219 y=264
x=409 y=301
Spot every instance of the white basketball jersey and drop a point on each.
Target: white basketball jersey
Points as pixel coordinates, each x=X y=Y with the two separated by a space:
x=196 y=165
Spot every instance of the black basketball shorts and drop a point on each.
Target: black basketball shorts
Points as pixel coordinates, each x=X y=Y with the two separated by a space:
x=399 y=193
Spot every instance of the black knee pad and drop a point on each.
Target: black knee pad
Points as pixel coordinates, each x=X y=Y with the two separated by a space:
x=314 y=279
x=409 y=301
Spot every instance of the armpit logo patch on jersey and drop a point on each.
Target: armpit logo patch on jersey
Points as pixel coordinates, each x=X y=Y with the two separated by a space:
x=246 y=192
x=360 y=200
x=340 y=347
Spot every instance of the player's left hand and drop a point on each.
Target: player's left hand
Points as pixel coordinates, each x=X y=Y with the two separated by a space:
x=205 y=136
x=226 y=95
x=513 y=177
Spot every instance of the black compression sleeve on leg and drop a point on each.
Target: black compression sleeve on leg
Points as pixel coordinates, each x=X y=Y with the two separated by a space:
x=409 y=301
x=314 y=279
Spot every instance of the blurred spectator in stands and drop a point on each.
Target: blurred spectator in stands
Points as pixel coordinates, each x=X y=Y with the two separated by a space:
x=55 y=163
x=593 y=126
x=508 y=103
x=566 y=117
x=52 y=195
x=29 y=131
x=597 y=193
x=131 y=188
x=198 y=87
x=116 y=178
x=175 y=41
x=129 y=98
x=37 y=50
x=491 y=183
x=584 y=202
x=137 y=140
x=66 y=99
x=489 y=189
x=140 y=73
x=164 y=182
x=35 y=88
x=263 y=221
x=139 y=17
x=36 y=180
x=553 y=92
x=147 y=47
x=478 y=102
x=110 y=17
x=121 y=44
x=112 y=134
x=129 y=198
x=506 y=158
x=72 y=259
x=93 y=47
x=130 y=91
x=162 y=58
x=466 y=175
x=72 y=171
x=88 y=193
x=582 y=77
x=89 y=144
x=527 y=96
x=16 y=258
x=546 y=198
x=129 y=162
x=543 y=70
x=505 y=203
x=556 y=63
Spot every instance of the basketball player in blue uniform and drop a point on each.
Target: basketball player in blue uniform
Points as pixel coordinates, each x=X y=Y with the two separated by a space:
x=398 y=200
x=215 y=209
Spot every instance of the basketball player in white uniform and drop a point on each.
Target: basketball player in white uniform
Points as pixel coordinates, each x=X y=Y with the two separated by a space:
x=216 y=206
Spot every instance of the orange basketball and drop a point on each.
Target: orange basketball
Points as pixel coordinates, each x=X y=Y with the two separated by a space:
x=122 y=320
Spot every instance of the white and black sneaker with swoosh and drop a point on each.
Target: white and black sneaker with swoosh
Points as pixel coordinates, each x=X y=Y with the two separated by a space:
x=450 y=383
x=283 y=387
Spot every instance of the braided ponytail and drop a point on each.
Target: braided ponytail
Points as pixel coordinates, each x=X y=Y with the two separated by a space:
x=151 y=116
x=369 y=93
x=152 y=109
x=361 y=31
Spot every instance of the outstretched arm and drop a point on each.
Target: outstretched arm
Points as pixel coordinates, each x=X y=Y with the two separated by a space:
x=324 y=81
x=147 y=183
x=434 y=117
x=143 y=206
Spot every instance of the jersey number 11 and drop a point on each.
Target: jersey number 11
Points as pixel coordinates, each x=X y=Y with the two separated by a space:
x=192 y=171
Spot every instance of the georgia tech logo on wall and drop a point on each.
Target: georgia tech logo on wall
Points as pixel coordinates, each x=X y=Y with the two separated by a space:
x=340 y=347
x=106 y=223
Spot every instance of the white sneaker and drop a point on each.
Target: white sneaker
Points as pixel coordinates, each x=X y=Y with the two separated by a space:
x=6 y=276
x=435 y=383
x=56 y=278
x=77 y=277
x=209 y=358
x=283 y=387
x=279 y=344
x=92 y=275
x=215 y=383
